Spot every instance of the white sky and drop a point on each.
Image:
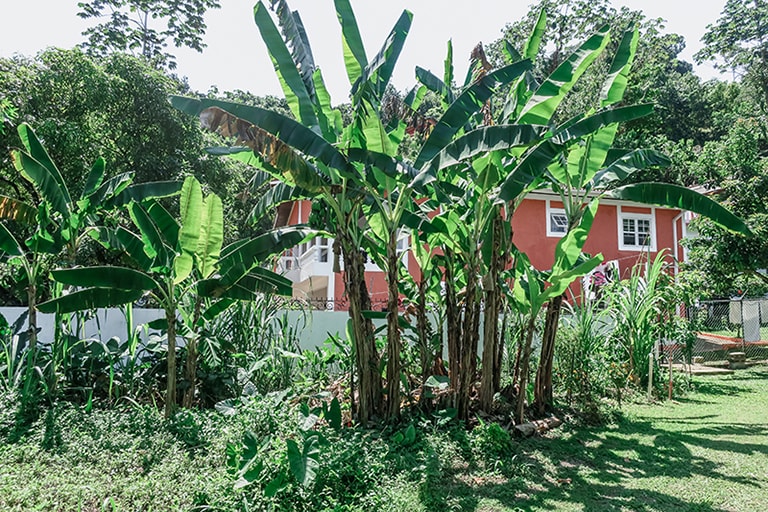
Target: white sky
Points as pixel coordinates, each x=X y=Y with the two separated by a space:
x=236 y=58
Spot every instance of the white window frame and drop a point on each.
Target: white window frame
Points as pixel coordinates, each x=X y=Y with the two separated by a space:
x=651 y=217
x=550 y=212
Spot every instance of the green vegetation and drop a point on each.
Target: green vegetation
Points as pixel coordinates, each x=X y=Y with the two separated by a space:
x=374 y=419
x=704 y=452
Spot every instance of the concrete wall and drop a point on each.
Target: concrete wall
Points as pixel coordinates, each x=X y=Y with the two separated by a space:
x=315 y=325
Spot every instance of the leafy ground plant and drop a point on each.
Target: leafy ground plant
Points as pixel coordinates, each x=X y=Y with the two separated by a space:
x=703 y=453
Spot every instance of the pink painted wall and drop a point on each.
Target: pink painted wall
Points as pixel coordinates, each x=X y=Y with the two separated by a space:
x=529 y=226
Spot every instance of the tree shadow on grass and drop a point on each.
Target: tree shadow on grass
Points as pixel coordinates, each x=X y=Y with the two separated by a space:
x=717 y=388
x=595 y=470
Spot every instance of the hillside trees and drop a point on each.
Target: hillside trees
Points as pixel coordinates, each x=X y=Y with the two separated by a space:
x=738 y=42
x=115 y=108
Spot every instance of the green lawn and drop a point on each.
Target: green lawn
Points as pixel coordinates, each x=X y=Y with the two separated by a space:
x=707 y=452
x=733 y=333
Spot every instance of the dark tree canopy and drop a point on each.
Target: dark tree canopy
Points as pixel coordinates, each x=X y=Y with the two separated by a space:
x=734 y=168
x=738 y=42
x=145 y=27
x=116 y=107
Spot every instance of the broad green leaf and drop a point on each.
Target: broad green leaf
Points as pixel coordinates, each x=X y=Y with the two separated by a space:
x=211 y=236
x=624 y=166
x=242 y=154
x=465 y=106
x=237 y=263
x=484 y=140
x=276 y=195
x=532 y=44
x=154 y=247
x=166 y=224
x=561 y=282
x=570 y=247
x=326 y=114
x=145 y=191
x=105 y=193
x=303 y=460
x=530 y=168
x=549 y=95
x=249 y=287
x=296 y=94
x=295 y=39
x=355 y=59
x=373 y=135
x=578 y=129
x=95 y=178
x=38 y=153
x=105 y=277
x=584 y=160
x=122 y=240
x=44 y=180
x=8 y=243
x=435 y=85
x=90 y=298
x=191 y=212
x=510 y=53
x=216 y=309
x=378 y=72
x=675 y=196
x=616 y=82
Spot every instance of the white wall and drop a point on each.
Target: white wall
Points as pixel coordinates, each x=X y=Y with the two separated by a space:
x=111 y=322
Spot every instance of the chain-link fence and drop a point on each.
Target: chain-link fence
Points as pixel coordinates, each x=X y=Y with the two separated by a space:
x=728 y=333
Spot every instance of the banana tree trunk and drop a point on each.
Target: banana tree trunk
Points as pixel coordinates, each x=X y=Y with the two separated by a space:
x=170 y=392
x=469 y=341
x=543 y=387
x=366 y=356
x=190 y=374
x=393 y=331
x=425 y=350
x=453 y=320
x=500 y=351
x=491 y=323
x=32 y=314
x=525 y=359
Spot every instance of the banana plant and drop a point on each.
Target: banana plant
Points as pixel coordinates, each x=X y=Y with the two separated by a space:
x=591 y=169
x=175 y=258
x=55 y=227
x=312 y=156
x=482 y=184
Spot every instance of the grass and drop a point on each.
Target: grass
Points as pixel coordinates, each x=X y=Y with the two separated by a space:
x=735 y=333
x=705 y=452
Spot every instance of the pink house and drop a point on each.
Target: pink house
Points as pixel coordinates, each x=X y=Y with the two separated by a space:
x=622 y=231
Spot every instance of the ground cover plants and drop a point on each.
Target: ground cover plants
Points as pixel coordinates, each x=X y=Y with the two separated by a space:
x=702 y=452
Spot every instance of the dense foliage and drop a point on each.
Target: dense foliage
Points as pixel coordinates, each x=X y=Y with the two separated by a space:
x=110 y=197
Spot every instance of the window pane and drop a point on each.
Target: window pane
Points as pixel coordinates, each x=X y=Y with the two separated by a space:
x=629 y=239
x=558 y=222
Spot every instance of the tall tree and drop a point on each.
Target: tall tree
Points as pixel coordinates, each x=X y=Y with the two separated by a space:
x=738 y=174
x=145 y=27
x=738 y=42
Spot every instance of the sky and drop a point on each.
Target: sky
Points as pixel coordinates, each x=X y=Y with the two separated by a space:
x=236 y=58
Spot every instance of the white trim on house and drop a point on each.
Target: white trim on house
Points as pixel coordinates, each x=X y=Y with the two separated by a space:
x=636 y=223
x=559 y=228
